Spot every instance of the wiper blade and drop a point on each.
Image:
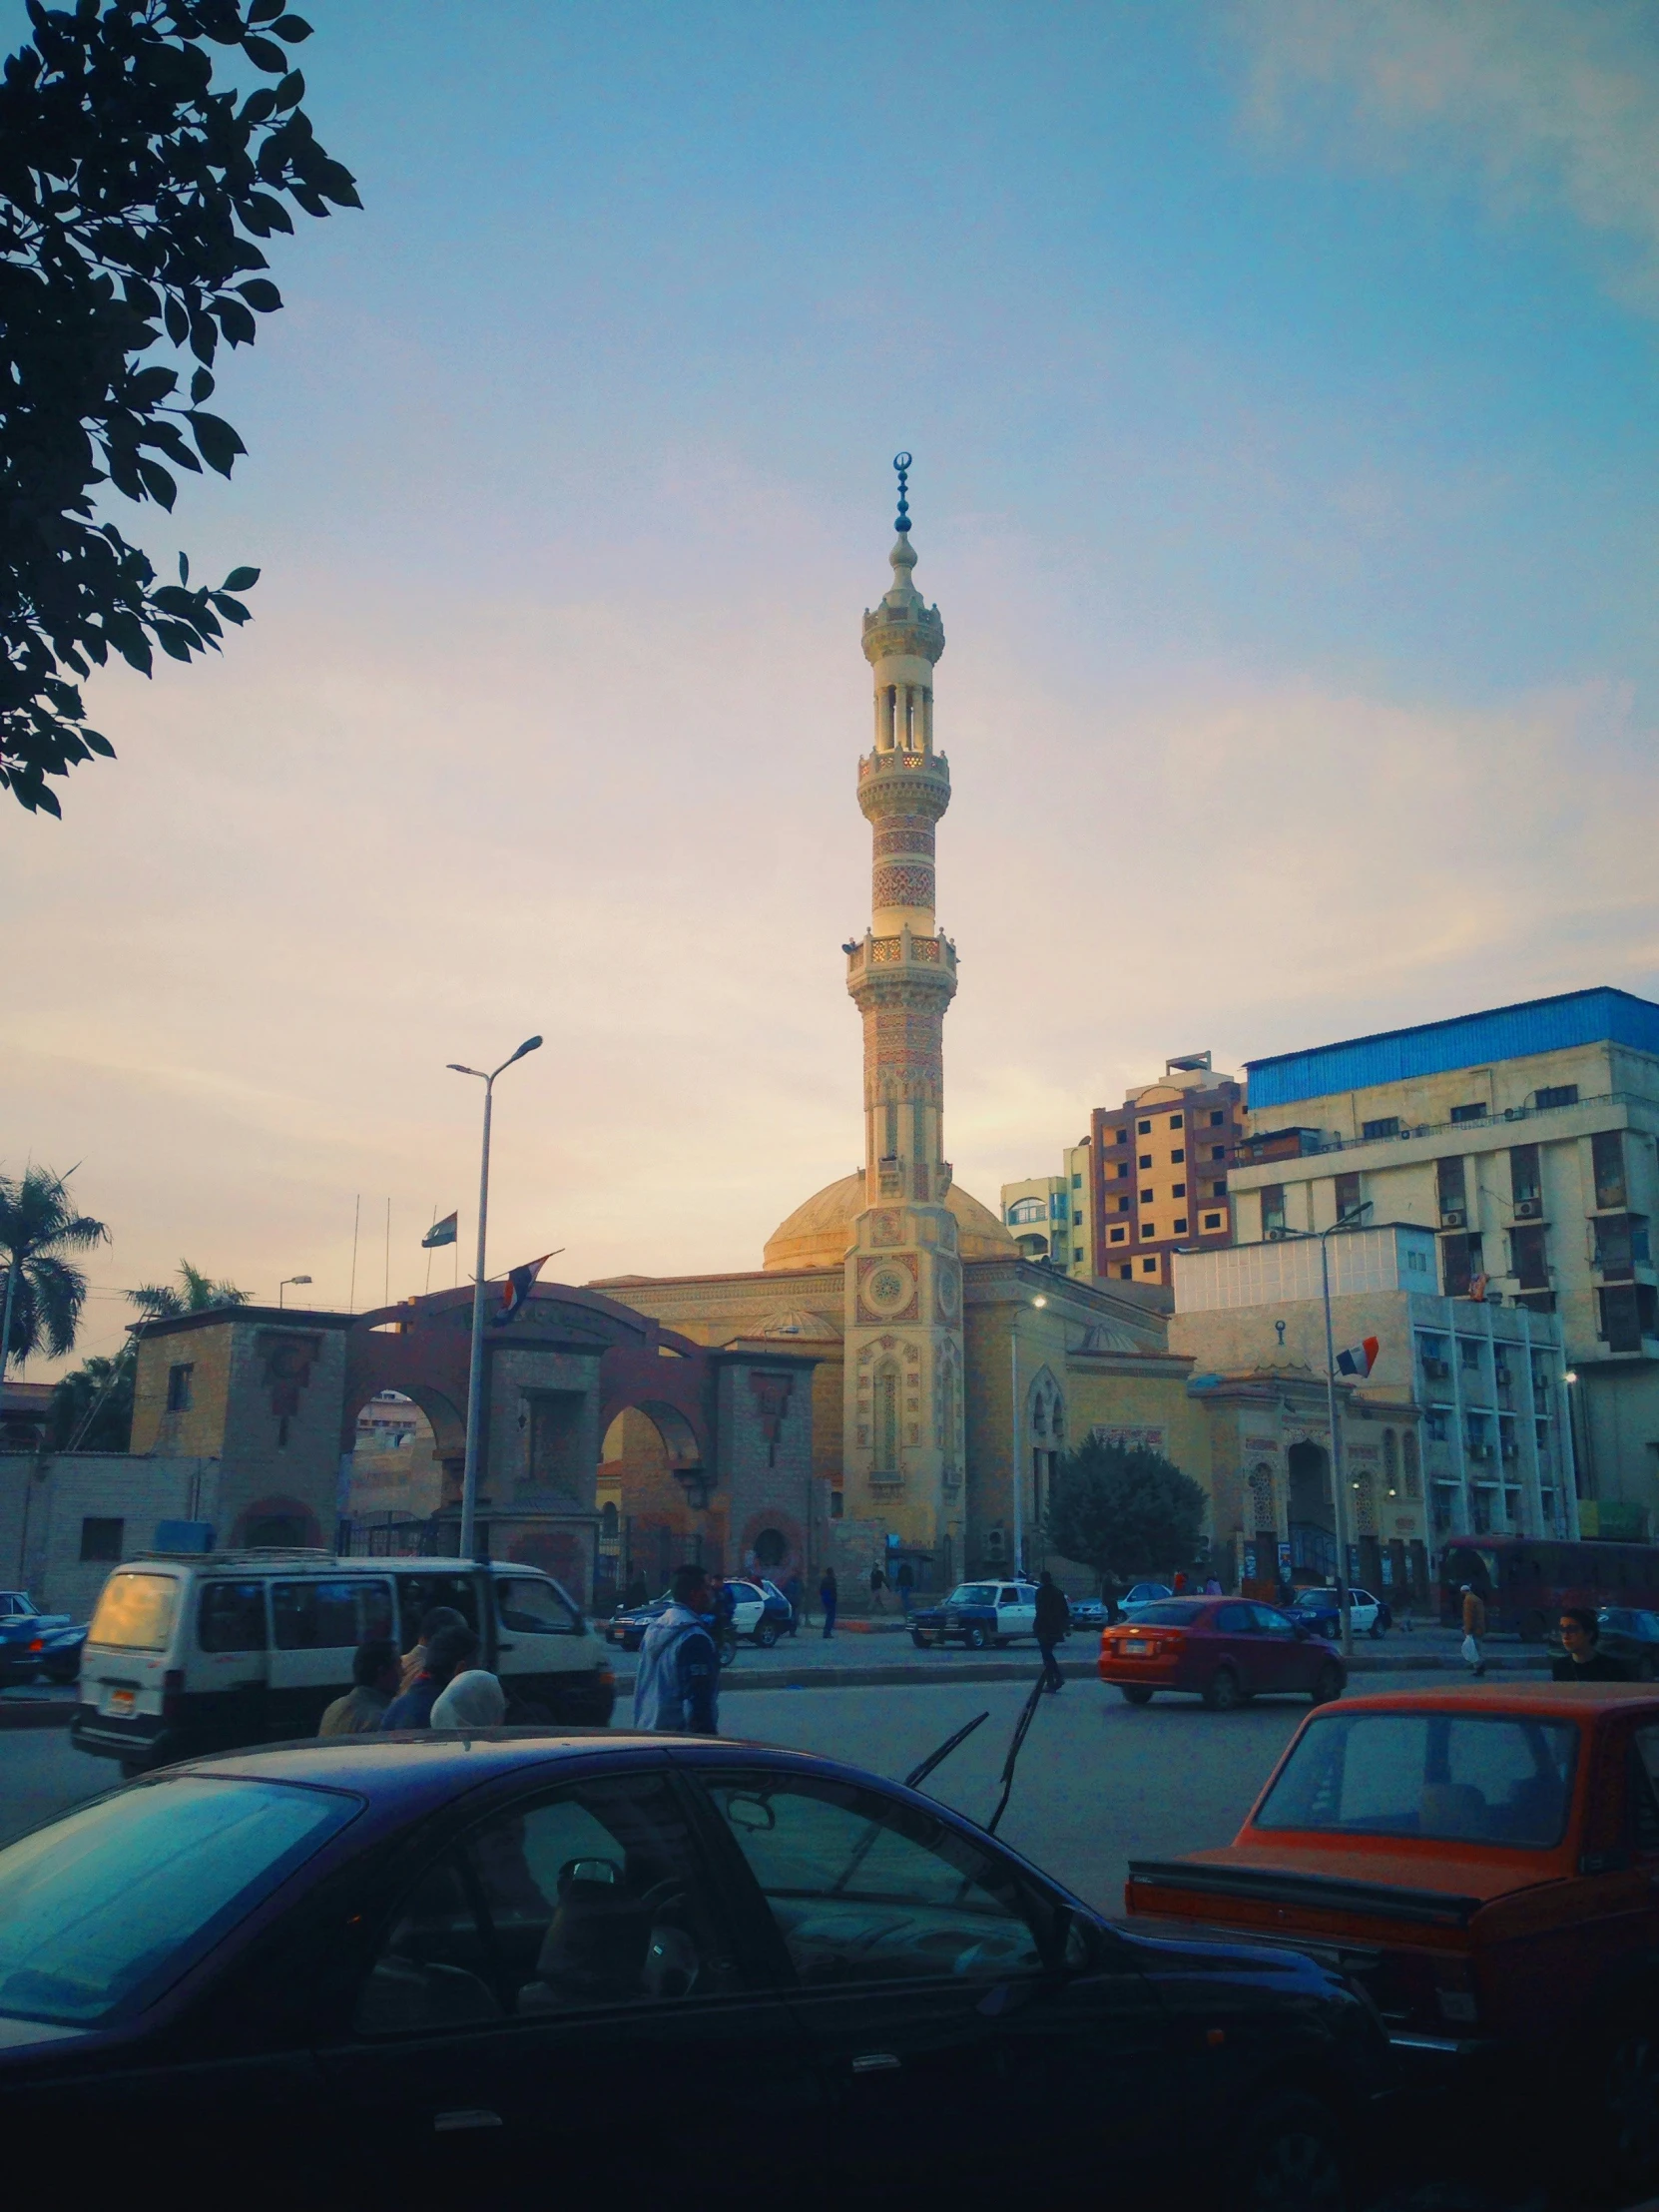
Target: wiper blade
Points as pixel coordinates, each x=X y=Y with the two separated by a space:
x=918 y=1775
x=1021 y=1727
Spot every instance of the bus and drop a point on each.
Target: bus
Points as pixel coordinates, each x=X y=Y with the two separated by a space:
x=1525 y=1581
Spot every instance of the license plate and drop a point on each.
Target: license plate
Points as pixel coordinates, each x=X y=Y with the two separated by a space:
x=123 y=1701
x=1139 y=1651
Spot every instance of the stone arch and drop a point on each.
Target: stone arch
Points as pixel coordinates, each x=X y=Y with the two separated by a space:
x=884 y=1430
x=1045 y=1440
x=776 y=1543
x=1313 y=1530
x=654 y=1483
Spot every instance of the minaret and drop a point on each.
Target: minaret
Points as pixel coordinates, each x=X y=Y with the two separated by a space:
x=904 y=1436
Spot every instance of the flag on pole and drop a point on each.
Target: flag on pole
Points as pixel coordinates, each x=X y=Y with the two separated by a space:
x=1360 y=1359
x=441 y=1231
x=516 y=1288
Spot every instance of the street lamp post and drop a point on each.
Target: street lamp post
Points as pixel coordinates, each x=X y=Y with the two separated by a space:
x=1018 y=1442
x=1339 y=1493
x=283 y=1284
x=476 y=1366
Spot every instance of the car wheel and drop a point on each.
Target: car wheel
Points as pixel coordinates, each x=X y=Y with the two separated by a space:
x=1376 y=1630
x=726 y=1648
x=974 y=1638
x=1135 y=1693
x=1290 y=2155
x=1328 y=1684
x=1224 y=1692
x=766 y=1635
x=1629 y=2088
x=920 y=1641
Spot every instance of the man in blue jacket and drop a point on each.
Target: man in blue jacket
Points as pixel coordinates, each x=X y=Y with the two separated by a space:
x=674 y=1689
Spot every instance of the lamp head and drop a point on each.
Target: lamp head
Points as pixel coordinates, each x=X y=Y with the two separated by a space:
x=1039 y=1302
x=530 y=1044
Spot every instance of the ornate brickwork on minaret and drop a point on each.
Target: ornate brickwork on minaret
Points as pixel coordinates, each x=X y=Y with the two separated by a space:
x=905 y=1282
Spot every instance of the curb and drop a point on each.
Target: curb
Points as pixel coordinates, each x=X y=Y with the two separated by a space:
x=36 y=1712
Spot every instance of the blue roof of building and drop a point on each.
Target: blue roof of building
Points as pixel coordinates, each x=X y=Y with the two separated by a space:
x=1468 y=1040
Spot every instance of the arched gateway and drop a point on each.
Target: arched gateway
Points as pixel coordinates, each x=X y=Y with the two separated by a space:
x=571 y=1362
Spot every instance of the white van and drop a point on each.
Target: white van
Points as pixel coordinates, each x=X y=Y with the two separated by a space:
x=207 y=1651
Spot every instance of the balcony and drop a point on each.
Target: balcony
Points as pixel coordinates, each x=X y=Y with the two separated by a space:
x=1327 y=1140
x=1438 y=1370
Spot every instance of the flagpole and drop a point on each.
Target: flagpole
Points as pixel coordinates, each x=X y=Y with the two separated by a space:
x=475 y=1365
x=428 y=1243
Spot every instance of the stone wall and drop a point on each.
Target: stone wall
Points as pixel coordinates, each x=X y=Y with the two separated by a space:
x=67 y=1489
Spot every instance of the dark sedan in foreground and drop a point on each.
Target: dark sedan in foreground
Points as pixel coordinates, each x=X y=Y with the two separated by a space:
x=435 y=1966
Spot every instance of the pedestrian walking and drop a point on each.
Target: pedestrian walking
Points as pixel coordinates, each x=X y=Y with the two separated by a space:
x=1583 y=1660
x=1053 y=1622
x=907 y=1580
x=377 y=1674
x=1474 y=1627
x=450 y=1651
x=878 y=1590
x=1180 y=1589
x=474 y=1699
x=1212 y=1587
x=675 y=1691
x=797 y=1596
x=828 y=1596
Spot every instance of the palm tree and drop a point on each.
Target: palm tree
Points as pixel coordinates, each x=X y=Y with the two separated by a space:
x=199 y=1294
x=44 y=1291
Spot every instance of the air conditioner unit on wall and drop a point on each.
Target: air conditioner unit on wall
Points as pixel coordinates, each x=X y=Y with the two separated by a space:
x=1452 y=1217
x=1528 y=1209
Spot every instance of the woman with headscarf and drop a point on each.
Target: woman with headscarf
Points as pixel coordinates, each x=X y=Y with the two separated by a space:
x=473 y=1700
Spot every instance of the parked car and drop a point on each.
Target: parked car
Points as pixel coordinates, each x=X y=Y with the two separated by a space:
x=59 y=1658
x=1632 y=1635
x=1322 y=1609
x=1486 y=1860
x=1088 y=1612
x=189 y=1653
x=436 y=1964
x=977 y=1614
x=760 y=1613
x=1142 y=1593
x=625 y=1627
x=1222 y=1649
x=24 y=1635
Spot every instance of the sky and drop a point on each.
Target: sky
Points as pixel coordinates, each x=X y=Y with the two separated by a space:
x=1281 y=380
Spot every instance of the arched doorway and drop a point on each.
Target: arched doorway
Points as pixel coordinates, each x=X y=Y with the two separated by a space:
x=653 y=1498
x=1045 y=1440
x=1313 y=1530
x=395 y=1482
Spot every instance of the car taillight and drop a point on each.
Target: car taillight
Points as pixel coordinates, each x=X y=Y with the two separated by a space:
x=172 y=1693
x=39 y=1645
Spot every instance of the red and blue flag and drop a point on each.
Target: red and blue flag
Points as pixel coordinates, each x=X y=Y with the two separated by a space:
x=1359 y=1359
x=516 y=1288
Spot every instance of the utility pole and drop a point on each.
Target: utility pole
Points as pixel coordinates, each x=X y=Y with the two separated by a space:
x=475 y=1367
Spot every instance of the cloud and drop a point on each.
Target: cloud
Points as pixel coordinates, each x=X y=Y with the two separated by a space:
x=1555 y=103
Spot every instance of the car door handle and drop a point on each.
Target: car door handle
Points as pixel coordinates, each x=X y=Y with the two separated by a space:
x=506 y=1647
x=450 y=2124
x=876 y=2061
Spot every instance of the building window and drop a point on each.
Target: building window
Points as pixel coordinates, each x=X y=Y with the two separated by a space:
x=1120 y=1136
x=178 y=1389
x=1212 y=1221
x=1388 y=1126
x=1607 y=1159
x=1146 y=1197
x=1449 y=1187
x=1178 y=1190
x=1217 y=1190
x=1273 y=1209
x=1525 y=1185
x=102 y=1539
x=1027 y=1208
x=1348 y=1196
x=1177 y=1155
x=838 y=1504
x=1217 y=1117
x=1627 y=1315
x=1180 y=1229
x=1077 y=1182
x=1175 y=1121
x=1218 y=1152
x=1123 y=1204
x=1144 y=1128
x=1475 y=1111
x=1126 y=1271
x=1460 y=1264
x=1556 y=1094
x=1145 y=1158
x=1468 y=1354
x=1118 y=1236
x=1529 y=1262
x=1149 y=1267
x=1439 y=1425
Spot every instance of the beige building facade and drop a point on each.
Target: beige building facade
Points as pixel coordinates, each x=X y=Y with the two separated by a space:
x=1524 y=1142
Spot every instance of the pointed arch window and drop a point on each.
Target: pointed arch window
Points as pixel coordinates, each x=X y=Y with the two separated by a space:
x=886 y=1418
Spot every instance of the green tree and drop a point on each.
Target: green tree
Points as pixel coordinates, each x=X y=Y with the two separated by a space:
x=1123 y=1510
x=92 y=1407
x=132 y=194
x=43 y=1291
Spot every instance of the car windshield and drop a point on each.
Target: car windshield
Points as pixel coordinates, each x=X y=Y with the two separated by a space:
x=1488 y=1778
x=1175 y=1613
x=1317 y=1600
x=103 y=1911
x=135 y=1612
x=974 y=1593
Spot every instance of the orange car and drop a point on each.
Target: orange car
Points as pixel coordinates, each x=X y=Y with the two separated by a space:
x=1485 y=1862
x=1222 y=1649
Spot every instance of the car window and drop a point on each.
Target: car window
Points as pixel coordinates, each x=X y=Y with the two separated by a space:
x=418 y=1594
x=330 y=1616
x=974 y=1593
x=1487 y=1778
x=231 y=1617
x=591 y=1897
x=530 y=1607
x=865 y=1888
x=1271 y=1622
x=1177 y=1612
x=103 y=1911
x=135 y=1612
x=1236 y=1620
x=1648 y=1624
x=1007 y=1597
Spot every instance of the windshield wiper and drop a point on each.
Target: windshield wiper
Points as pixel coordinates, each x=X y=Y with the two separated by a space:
x=918 y=1775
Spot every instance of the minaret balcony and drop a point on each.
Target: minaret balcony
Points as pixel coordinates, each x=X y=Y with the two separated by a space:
x=931 y=958
x=903 y=781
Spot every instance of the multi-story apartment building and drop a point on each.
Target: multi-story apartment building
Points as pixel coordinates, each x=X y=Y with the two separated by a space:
x=1037 y=1212
x=1078 y=1158
x=1157 y=1171
x=1527 y=1140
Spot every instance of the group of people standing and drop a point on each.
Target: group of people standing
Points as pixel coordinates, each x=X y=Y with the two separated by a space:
x=434 y=1685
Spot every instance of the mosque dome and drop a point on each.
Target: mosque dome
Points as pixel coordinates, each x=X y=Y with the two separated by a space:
x=819 y=1233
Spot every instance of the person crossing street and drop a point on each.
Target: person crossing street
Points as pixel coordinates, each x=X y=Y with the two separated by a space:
x=676 y=1692
x=1053 y=1623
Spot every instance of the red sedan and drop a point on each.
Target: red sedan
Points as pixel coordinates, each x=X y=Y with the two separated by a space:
x=1222 y=1649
